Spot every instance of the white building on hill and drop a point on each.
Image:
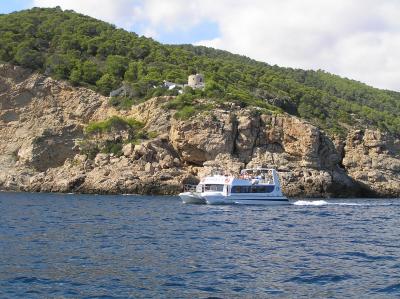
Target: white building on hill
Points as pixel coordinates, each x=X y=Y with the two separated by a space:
x=172 y=85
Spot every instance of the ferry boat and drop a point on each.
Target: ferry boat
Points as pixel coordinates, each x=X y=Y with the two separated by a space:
x=253 y=186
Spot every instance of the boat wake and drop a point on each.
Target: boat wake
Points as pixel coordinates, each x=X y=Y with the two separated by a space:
x=323 y=203
x=310 y=203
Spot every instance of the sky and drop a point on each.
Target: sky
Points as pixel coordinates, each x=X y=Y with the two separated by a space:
x=357 y=39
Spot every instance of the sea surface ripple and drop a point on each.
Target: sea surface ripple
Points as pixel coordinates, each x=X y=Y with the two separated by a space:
x=85 y=246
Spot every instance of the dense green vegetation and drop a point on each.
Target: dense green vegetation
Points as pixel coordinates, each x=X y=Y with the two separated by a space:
x=114 y=124
x=186 y=106
x=88 y=52
x=110 y=135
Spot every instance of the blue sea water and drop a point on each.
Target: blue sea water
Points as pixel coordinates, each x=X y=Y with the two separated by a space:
x=85 y=246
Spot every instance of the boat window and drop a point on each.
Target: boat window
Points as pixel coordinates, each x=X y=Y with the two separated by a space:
x=235 y=189
x=252 y=189
x=241 y=189
x=214 y=187
x=258 y=189
x=262 y=189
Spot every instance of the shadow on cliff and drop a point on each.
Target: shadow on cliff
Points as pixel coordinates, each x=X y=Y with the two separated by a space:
x=354 y=189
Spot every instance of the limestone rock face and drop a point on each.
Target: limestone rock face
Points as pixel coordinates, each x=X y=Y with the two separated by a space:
x=51 y=148
x=248 y=131
x=373 y=159
x=151 y=113
x=302 y=141
x=42 y=121
x=202 y=138
x=128 y=149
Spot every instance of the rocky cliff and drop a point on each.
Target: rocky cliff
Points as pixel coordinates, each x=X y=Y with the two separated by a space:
x=42 y=122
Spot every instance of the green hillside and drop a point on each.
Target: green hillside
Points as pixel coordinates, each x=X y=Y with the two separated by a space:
x=92 y=53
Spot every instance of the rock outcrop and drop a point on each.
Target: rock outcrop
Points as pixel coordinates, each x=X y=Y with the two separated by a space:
x=42 y=121
x=203 y=137
x=372 y=158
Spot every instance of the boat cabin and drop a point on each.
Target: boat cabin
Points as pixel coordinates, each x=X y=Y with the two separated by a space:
x=258 y=180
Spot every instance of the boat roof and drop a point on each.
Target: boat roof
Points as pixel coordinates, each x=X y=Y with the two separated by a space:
x=233 y=181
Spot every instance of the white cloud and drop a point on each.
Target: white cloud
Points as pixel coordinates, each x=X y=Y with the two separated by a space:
x=359 y=39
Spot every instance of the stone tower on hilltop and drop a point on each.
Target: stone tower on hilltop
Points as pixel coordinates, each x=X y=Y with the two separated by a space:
x=196 y=81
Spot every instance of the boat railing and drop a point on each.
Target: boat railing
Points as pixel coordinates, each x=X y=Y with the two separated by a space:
x=265 y=181
x=189 y=188
x=258 y=179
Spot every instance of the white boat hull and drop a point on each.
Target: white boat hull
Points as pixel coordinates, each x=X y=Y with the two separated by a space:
x=192 y=198
x=247 y=201
x=269 y=201
x=219 y=199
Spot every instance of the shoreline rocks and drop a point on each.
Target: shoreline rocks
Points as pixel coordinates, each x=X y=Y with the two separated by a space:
x=42 y=121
